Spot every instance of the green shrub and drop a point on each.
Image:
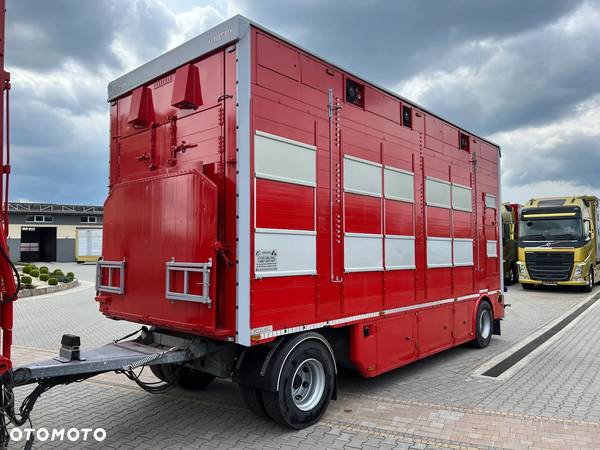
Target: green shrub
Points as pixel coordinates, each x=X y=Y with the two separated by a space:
x=58 y=272
x=52 y=281
x=27 y=268
x=70 y=275
x=34 y=273
x=33 y=266
x=44 y=277
x=26 y=280
x=44 y=269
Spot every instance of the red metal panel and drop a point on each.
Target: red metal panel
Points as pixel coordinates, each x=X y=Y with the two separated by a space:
x=363 y=348
x=435 y=329
x=463 y=321
x=450 y=135
x=439 y=283
x=320 y=76
x=462 y=280
x=399 y=218
x=399 y=288
x=362 y=292
x=362 y=214
x=382 y=104
x=278 y=57
x=461 y=222
x=275 y=210
x=438 y=222
x=179 y=212
x=396 y=338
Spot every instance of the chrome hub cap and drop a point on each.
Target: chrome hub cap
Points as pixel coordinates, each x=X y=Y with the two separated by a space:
x=485 y=324
x=308 y=384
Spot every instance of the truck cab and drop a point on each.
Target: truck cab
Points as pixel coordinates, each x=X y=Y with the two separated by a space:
x=558 y=243
x=510 y=233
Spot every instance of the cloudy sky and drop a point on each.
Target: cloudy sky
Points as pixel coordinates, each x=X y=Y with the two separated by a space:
x=525 y=74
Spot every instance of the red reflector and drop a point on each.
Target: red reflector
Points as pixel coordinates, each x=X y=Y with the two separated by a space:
x=186 y=88
x=141 y=110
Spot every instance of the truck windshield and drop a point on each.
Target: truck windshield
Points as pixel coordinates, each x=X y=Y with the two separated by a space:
x=559 y=229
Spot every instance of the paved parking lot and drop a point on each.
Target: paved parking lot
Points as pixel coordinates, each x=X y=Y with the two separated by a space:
x=550 y=400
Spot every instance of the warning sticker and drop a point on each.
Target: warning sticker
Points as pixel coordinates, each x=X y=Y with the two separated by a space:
x=265 y=260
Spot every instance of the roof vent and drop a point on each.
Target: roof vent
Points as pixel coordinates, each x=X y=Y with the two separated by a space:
x=141 y=110
x=186 y=89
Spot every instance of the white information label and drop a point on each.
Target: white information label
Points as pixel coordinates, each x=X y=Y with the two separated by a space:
x=265 y=260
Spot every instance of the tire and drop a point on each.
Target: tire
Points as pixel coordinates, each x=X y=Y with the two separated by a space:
x=590 y=286
x=253 y=399
x=185 y=377
x=306 y=386
x=527 y=287
x=484 y=325
x=511 y=275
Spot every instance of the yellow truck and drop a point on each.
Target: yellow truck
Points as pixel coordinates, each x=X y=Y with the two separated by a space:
x=558 y=242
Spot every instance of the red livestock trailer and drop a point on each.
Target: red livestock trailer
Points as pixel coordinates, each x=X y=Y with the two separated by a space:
x=274 y=217
x=264 y=197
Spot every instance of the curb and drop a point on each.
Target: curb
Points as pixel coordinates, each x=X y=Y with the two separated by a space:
x=48 y=289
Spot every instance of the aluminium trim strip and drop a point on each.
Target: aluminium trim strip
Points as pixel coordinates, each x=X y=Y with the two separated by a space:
x=268 y=176
x=285 y=231
x=258 y=334
x=361 y=192
x=276 y=137
x=364 y=161
x=283 y=273
x=394 y=169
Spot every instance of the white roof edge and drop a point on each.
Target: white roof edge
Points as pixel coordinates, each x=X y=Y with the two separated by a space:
x=220 y=36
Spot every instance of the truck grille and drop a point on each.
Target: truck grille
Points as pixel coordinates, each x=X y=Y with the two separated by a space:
x=549 y=266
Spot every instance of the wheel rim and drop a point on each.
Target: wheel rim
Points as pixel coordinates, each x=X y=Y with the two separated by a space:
x=485 y=324
x=308 y=384
x=591 y=279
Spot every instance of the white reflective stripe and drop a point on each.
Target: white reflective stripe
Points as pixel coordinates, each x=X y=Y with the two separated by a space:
x=492 y=292
x=482 y=290
x=259 y=333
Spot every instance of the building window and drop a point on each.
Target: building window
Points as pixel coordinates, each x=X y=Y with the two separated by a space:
x=490 y=201
x=437 y=193
x=355 y=93
x=362 y=176
x=39 y=219
x=88 y=219
x=399 y=185
x=461 y=198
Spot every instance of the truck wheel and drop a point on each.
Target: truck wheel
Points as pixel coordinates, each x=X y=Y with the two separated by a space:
x=590 y=285
x=253 y=399
x=484 y=324
x=515 y=275
x=306 y=384
x=185 y=377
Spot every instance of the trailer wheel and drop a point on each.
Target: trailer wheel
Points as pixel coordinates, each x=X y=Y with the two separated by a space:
x=253 y=399
x=306 y=385
x=185 y=377
x=484 y=325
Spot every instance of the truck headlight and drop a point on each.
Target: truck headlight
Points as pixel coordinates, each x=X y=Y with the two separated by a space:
x=578 y=273
x=522 y=271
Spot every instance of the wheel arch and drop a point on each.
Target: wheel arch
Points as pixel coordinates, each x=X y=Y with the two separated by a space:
x=261 y=366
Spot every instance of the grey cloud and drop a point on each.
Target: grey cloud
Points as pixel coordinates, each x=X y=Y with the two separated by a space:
x=42 y=35
x=575 y=160
x=389 y=41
